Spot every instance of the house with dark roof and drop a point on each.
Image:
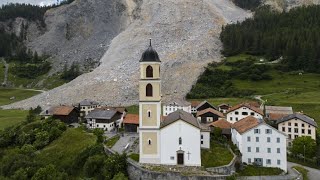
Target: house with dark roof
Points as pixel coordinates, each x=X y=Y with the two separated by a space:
x=87 y=106
x=274 y=113
x=131 y=123
x=297 y=125
x=67 y=114
x=209 y=115
x=103 y=119
x=260 y=143
x=240 y=111
x=199 y=106
x=224 y=107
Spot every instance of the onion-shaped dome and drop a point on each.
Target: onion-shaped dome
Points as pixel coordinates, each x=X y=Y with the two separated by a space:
x=150 y=55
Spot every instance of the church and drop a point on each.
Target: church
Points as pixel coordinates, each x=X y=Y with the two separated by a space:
x=178 y=139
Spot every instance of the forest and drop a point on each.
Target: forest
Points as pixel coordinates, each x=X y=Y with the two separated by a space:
x=247 y=4
x=291 y=36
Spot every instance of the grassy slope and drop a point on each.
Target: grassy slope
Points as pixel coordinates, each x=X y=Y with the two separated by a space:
x=19 y=94
x=217 y=155
x=64 y=150
x=218 y=101
x=259 y=171
x=285 y=89
x=303 y=171
x=11 y=117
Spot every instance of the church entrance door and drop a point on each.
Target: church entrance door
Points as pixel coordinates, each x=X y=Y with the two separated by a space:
x=180 y=158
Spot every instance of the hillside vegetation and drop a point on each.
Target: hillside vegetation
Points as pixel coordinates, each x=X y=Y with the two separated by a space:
x=291 y=36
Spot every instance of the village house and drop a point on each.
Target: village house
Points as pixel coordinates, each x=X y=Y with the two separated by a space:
x=243 y=110
x=297 y=125
x=66 y=114
x=260 y=143
x=199 y=106
x=224 y=125
x=47 y=113
x=209 y=115
x=172 y=106
x=178 y=139
x=87 y=106
x=274 y=113
x=103 y=119
x=131 y=123
x=122 y=110
x=224 y=108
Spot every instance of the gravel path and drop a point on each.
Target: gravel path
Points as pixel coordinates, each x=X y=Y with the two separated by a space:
x=313 y=174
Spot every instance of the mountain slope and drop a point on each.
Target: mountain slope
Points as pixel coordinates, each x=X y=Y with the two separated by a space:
x=185 y=33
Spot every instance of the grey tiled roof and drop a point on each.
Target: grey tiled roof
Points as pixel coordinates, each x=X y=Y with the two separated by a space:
x=101 y=114
x=278 y=109
x=300 y=116
x=180 y=115
x=204 y=102
x=88 y=102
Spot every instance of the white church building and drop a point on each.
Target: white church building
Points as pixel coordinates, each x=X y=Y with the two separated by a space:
x=179 y=138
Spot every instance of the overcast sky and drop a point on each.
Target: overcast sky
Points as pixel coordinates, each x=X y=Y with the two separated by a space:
x=36 y=2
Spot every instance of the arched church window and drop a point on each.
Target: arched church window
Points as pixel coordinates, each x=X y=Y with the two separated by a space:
x=149 y=72
x=149 y=113
x=149 y=90
x=180 y=140
x=149 y=141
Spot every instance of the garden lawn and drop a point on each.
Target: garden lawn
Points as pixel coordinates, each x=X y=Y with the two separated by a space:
x=64 y=150
x=112 y=141
x=19 y=94
x=303 y=171
x=11 y=117
x=134 y=109
x=134 y=157
x=217 y=155
x=218 y=101
x=251 y=170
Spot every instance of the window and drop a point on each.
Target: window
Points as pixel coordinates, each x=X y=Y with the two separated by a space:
x=295 y=136
x=268 y=139
x=252 y=113
x=230 y=118
x=289 y=124
x=149 y=141
x=302 y=131
x=309 y=131
x=249 y=149
x=149 y=90
x=149 y=113
x=257 y=149
x=249 y=160
x=257 y=139
x=290 y=136
x=180 y=140
x=257 y=131
x=289 y=129
x=236 y=119
x=172 y=158
x=302 y=125
x=278 y=162
x=268 y=161
x=268 y=131
x=236 y=113
x=201 y=142
x=97 y=125
x=278 y=150
x=149 y=72
x=269 y=150
x=248 y=138
x=283 y=129
x=296 y=130
x=201 y=136
x=278 y=140
x=295 y=124
x=244 y=113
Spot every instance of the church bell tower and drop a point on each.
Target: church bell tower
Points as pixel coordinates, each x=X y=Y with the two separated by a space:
x=149 y=107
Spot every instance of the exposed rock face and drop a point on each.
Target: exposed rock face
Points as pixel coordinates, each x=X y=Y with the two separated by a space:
x=289 y=4
x=185 y=33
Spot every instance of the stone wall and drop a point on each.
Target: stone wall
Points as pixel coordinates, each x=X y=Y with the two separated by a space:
x=135 y=172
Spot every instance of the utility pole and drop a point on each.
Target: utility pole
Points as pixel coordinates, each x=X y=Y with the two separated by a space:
x=304 y=153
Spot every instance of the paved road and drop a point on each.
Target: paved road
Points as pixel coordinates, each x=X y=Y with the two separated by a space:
x=123 y=141
x=314 y=174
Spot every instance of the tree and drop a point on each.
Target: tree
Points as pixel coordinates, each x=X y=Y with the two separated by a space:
x=49 y=172
x=304 y=145
x=120 y=176
x=99 y=133
x=93 y=166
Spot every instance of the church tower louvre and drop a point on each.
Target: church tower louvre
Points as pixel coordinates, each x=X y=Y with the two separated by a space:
x=149 y=107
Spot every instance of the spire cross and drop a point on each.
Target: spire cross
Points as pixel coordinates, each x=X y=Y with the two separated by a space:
x=150 y=41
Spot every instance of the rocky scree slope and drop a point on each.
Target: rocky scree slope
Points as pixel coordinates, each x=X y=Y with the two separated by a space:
x=185 y=33
x=289 y=4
